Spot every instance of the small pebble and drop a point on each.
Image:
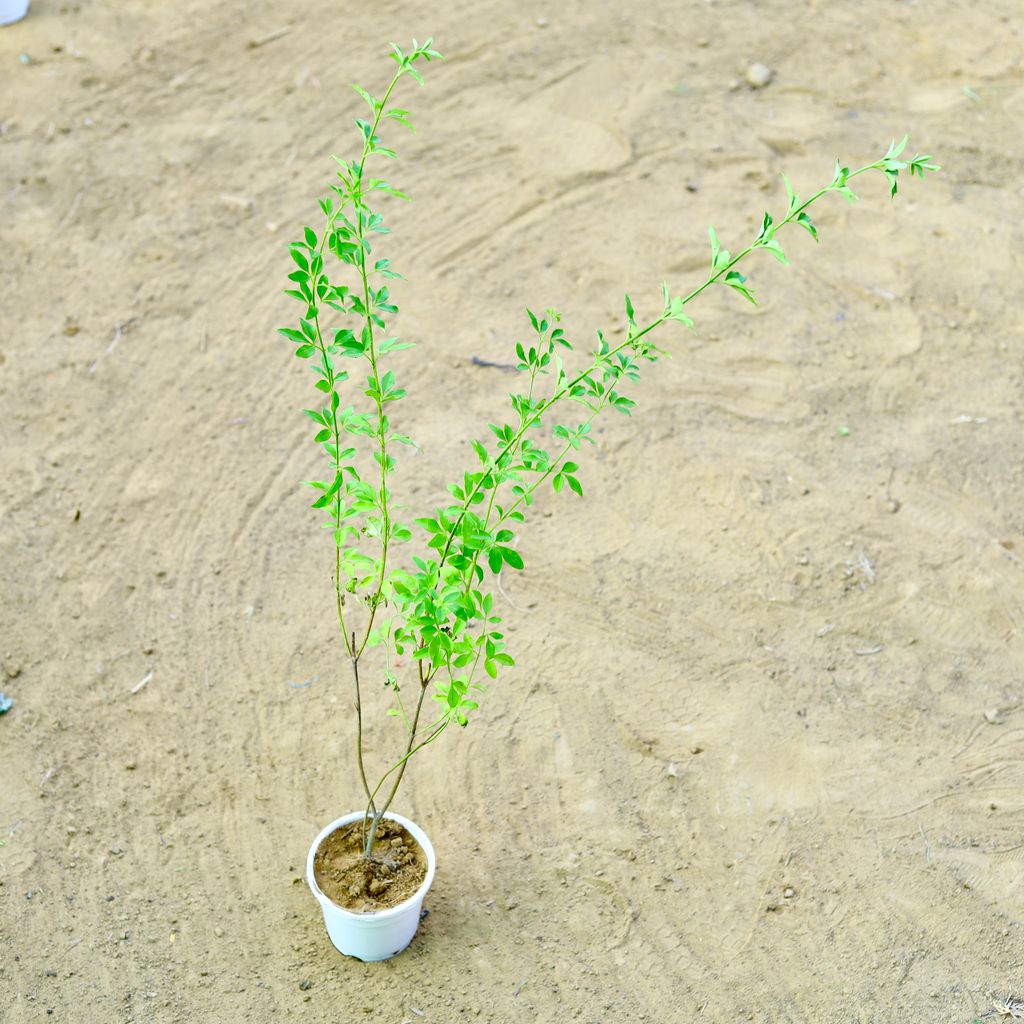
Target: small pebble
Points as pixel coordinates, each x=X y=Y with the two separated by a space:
x=759 y=75
x=788 y=893
x=12 y=669
x=305 y=985
x=219 y=932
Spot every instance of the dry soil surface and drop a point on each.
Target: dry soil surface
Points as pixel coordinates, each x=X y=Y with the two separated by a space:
x=762 y=757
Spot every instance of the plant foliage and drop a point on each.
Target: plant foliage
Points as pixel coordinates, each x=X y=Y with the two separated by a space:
x=437 y=610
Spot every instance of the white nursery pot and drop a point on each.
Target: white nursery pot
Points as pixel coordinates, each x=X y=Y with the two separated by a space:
x=12 y=10
x=384 y=933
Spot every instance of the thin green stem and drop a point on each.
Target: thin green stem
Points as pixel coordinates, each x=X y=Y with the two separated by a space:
x=630 y=341
x=535 y=416
x=412 y=739
x=382 y=440
x=372 y=356
x=359 y=730
x=371 y=813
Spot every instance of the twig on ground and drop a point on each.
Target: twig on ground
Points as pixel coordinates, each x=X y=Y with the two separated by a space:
x=72 y=209
x=119 y=328
x=487 y=364
x=927 y=845
x=504 y=595
x=142 y=682
x=271 y=37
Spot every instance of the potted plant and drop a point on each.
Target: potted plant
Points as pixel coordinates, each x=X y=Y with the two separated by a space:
x=12 y=11
x=371 y=868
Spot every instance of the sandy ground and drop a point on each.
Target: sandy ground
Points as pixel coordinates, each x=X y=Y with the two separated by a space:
x=763 y=755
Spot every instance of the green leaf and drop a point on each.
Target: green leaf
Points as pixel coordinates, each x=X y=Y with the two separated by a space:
x=394 y=345
x=808 y=225
x=895 y=149
x=776 y=250
x=310 y=236
x=511 y=557
x=402 y=117
x=376 y=185
x=793 y=198
x=719 y=256
x=735 y=280
x=366 y=96
x=921 y=163
x=675 y=312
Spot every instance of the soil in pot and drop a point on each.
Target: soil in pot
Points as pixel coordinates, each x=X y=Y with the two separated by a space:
x=396 y=871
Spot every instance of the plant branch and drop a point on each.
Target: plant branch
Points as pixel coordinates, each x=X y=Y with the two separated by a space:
x=359 y=729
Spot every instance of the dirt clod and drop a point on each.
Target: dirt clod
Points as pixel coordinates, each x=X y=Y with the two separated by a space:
x=386 y=880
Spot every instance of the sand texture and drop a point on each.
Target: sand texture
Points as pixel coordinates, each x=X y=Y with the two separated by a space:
x=762 y=757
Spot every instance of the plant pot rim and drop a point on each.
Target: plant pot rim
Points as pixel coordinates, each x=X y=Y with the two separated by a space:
x=373 y=915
